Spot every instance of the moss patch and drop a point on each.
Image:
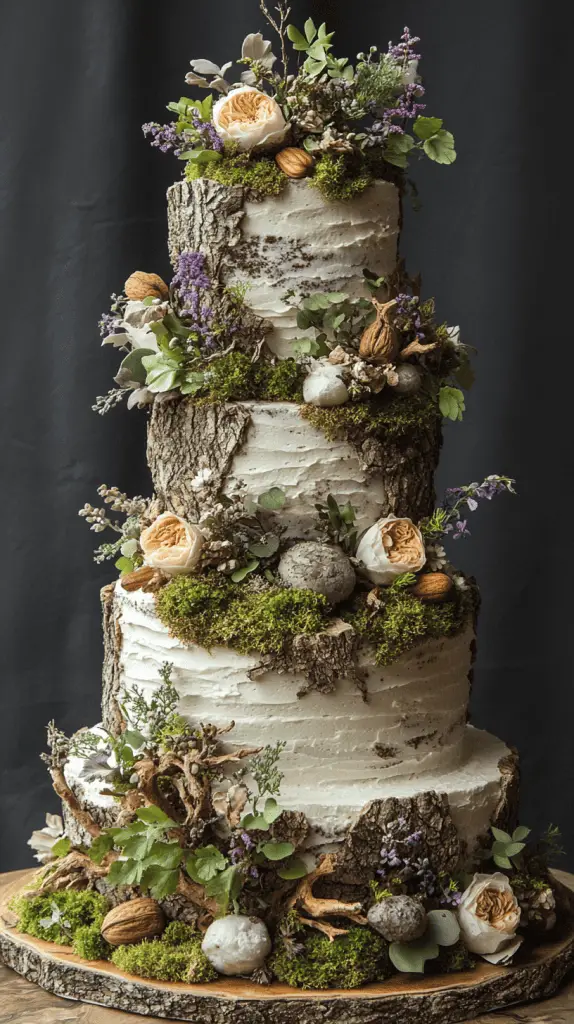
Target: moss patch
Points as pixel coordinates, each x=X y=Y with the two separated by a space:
x=349 y=961
x=90 y=944
x=261 y=175
x=211 y=611
x=337 y=179
x=386 y=418
x=177 y=956
x=234 y=378
x=68 y=912
x=404 y=621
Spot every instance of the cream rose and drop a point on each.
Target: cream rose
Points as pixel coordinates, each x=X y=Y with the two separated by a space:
x=172 y=545
x=390 y=547
x=249 y=118
x=489 y=916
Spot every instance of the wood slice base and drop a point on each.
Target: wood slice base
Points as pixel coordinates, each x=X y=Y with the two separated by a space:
x=536 y=974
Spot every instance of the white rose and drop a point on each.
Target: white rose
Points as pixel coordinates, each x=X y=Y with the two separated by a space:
x=249 y=118
x=172 y=545
x=390 y=547
x=489 y=915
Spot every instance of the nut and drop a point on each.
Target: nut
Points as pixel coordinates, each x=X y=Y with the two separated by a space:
x=140 y=285
x=432 y=586
x=133 y=921
x=295 y=163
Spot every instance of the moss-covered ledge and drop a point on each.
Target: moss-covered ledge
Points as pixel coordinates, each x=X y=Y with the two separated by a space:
x=296 y=630
x=389 y=417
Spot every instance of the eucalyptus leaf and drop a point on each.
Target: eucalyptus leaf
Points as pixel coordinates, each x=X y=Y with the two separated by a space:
x=502 y=862
x=410 y=957
x=293 y=868
x=244 y=571
x=133 y=738
x=132 y=372
x=520 y=834
x=272 y=499
x=502 y=837
x=443 y=927
x=264 y=549
x=513 y=849
x=272 y=810
x=277 y=851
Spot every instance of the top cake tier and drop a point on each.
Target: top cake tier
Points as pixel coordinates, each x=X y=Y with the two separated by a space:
x=291 y=243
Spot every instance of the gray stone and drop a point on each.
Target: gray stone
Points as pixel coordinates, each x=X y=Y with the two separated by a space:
x=410 y=379
x=323 y=568
x=236 y=944
x=398 y=918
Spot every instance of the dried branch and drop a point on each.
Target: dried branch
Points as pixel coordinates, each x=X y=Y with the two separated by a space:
x=303 y=898
x=414 y=348
x=75 y=871
x=84 y=818
x=283 y=11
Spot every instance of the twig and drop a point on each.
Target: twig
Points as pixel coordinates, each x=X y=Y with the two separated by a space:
x=284 y=13
x=84 y=818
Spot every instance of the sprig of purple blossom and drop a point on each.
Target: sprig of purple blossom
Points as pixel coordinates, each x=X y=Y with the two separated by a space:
x=200 y=134
x=404 y=864
x=191 y=282
x=448 y=517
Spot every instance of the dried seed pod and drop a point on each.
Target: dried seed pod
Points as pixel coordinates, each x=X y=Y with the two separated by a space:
x=140 y=285
x=379 y=342
x=432 y=586
x=133 y=921
x=294 y=162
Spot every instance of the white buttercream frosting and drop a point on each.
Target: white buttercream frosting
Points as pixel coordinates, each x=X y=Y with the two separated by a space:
x=300 y=242
x=412 y=722
x=282 y=449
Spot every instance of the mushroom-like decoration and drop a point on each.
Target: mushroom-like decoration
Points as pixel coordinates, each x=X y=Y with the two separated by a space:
x=236 y=944
x=324 y=568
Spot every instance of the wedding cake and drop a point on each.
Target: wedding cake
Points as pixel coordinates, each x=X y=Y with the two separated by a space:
x=284 y=785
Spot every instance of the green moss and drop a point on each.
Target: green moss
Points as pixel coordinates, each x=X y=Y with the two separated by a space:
x=90 y=944
x=336 y=179
x=165 y=961
x=349 y=961
x=404 y=621
x=261 y=175
x=74 y=910
x=177 y=933
x=211 y=611
x=235 y=378
x=452 y=959
x=389 y=417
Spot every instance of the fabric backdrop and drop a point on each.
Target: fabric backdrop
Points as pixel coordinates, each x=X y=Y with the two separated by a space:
x=82 y=202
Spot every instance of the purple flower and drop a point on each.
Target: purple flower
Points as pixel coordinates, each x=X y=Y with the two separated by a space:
x=460 y=530
x=109 y=324
x=236 y=854
x=165 y=137
x=247 y=841
x=254 y=872
x=403 y=52
x=191 y=281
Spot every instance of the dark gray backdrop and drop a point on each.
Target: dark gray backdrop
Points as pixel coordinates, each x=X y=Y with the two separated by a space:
x=82 y=202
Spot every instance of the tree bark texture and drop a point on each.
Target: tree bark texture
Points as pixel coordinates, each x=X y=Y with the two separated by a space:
x=400 y=1000
x=184 y=437
x=205 y=217
x=111 y=712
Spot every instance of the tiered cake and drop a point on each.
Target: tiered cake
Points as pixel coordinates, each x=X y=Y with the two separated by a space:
x=287 y=625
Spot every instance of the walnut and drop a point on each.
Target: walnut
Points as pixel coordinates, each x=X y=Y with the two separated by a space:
x=432 y=586
x=140 y=285
x=133 y=921
x=295 y=163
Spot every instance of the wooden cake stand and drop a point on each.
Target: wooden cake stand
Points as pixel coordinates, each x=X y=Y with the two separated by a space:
x=536 y=974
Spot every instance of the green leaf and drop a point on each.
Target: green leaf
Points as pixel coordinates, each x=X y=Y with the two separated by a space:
x=124 y=565
x=277 y=851
x=303 y=319
x=502 y=837
x=272 y=810
x=225 y=887
x=139 y=846
x=205 y=863
x=100 y=847
x=464 y=375
x=440 y=147
x=154 y=816
x=309 y=30
x=311 y=347
x=167 y=855
x=317 y=302
x=193 y=382
x=245 y=570
x=397 y=148
x=125 y=872
x=294 y=868
x=158 y=328
x=160 y=881
x=513 y=849
x=314 y=68
x=317 y=51
x=426 y=127
x=161 y=376
x=451 y=402
x=272 y=499
x=200 y=156
x=62 y=847
x=255 y=822
x=502 y=862
x=134 y=739
x=443 y=927
x=335 y=297
x=520 y=834
x=298 y=40
x=132 y=372
x=264 y=549
x=410 y=957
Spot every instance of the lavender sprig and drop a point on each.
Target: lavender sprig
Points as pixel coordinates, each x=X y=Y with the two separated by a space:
x=448 y=517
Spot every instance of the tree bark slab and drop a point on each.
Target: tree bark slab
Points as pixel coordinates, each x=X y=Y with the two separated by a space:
x=537 y=974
